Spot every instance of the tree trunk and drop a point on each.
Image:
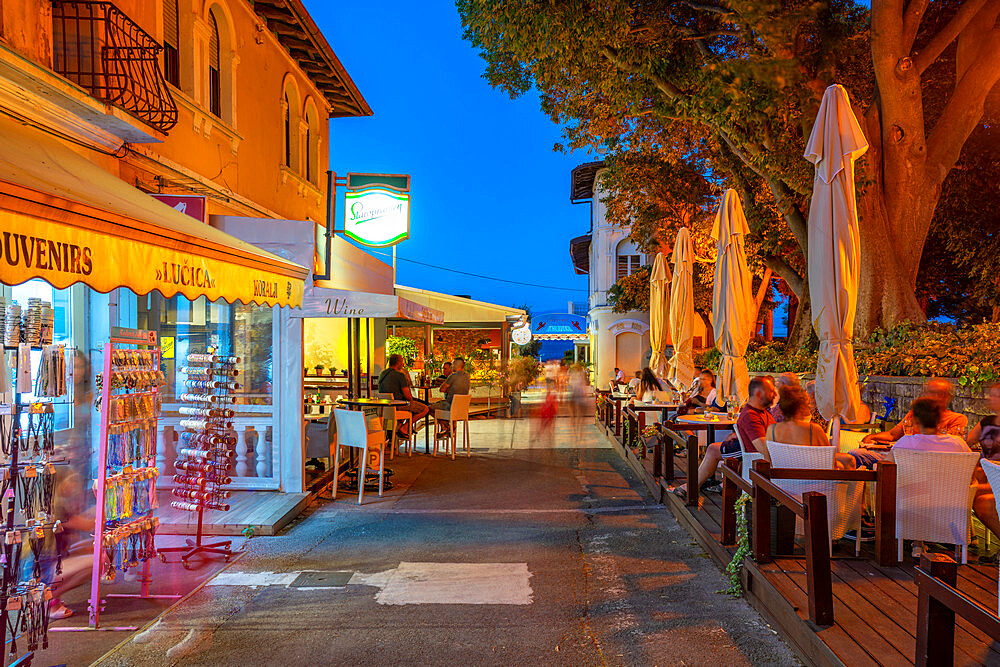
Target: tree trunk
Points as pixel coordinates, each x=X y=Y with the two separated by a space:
x=801 y=327
x=892 y=241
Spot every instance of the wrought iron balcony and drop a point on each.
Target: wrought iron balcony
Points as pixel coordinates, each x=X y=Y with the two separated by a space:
x=101 y=49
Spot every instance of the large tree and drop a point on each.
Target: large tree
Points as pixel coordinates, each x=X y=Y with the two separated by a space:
x=744 y=79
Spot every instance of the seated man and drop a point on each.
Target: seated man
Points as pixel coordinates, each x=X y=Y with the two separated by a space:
x=394 y=381
x=458 y=383
x=752 y=425
x=445 y=373
x=633 y=384
x=950 y=423
x=927 y=414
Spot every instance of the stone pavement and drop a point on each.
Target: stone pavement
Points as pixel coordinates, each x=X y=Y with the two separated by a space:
x=540 y=549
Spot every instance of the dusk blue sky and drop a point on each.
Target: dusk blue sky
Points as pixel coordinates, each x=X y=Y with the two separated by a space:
x=489 y=196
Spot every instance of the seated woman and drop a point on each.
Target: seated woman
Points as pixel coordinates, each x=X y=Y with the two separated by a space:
x=703 y=397
x=986 y=433
x=797 y=427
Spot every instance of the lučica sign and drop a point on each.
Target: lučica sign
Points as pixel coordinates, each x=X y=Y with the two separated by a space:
x=377 y=216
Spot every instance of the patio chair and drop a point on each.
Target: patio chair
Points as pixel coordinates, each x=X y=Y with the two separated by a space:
x=934 y=497
x=844 y=500
x=747 y=458
x=458 y=413
x=992 y=471
x=393 y=417
x=352 y=431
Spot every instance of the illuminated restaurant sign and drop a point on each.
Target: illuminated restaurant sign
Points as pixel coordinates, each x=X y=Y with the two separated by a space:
x=377 y=216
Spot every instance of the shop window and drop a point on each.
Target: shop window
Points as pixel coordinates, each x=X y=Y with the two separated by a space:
x=193 y=326
x=171 y=43
x=60 y=300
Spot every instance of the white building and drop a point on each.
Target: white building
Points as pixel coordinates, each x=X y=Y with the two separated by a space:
x=606 y=254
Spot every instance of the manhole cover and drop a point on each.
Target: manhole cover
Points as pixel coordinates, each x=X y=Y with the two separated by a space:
x=334 y=579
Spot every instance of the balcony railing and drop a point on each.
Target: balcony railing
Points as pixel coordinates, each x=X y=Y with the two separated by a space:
x=104 y=51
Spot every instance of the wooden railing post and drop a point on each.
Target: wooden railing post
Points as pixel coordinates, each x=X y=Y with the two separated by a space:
x=761 y=515
x=934 y=616
x=618 y=416
x=730 y=493
x=885 y=513
x=784 y=530
x=692 y=471
x=668 y=459
x=819 y=584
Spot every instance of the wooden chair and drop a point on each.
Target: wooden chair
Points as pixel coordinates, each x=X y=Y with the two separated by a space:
x=458 y=413
x=352 y=431
x=933 y=497
x=393 y=416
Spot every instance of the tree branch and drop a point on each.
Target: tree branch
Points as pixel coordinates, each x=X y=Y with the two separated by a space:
x=762 y=288
x=664 y=86
x=705 y=7
x=784 y=270
x=964 y=109
x=934 y=48
x=912 y=17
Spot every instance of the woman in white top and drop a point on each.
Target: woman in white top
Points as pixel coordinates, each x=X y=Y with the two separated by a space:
x=798 y=427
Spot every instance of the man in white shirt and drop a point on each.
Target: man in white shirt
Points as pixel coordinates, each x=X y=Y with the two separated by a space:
x=619 y=376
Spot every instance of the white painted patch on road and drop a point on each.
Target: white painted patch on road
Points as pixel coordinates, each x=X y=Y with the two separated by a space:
x=451 y=583
x=253 y=579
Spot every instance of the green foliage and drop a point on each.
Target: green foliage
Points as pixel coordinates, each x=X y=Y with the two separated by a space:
x=775 y=358
x=969 y=353
x=710 y=359
x=402 y=346
x=631 y=292
x=522 y=372
x=742 y=547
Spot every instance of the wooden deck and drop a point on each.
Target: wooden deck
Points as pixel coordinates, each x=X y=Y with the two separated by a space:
x=874 y=607
x=267 y=511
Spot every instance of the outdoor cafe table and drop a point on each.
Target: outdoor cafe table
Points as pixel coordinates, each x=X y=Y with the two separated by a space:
x=652 y=406
x=711 y=420
x=619 y=399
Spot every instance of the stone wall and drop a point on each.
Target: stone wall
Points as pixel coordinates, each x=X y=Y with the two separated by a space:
x=972 y=402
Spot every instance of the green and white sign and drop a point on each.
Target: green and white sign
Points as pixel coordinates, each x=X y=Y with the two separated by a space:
x=376 y=216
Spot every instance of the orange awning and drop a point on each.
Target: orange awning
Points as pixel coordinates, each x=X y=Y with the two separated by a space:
x=65 y=220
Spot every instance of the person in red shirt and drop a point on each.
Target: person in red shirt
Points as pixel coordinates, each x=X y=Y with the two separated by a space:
x=752 y=425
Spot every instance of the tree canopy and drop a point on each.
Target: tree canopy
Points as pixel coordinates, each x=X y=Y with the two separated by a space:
x=699 y=92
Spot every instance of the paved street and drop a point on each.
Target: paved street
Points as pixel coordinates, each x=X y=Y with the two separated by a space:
x=524 y=554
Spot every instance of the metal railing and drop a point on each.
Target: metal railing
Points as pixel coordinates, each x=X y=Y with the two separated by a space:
x=98 y=47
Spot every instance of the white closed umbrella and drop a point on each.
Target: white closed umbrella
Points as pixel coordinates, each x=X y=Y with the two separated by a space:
x=659 y=314
x=835 y=252
x=681 y=371
x=734 y=311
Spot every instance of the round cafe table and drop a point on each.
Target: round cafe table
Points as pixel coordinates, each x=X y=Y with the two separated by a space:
x=711 y=420
x=664 y=408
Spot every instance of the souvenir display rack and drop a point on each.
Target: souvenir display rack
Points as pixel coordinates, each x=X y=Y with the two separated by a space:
x=206 y=449
x=28 y=479
x=124 y=525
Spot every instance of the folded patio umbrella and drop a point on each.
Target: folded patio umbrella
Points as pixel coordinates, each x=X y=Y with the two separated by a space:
x=681 y=372
x=835 y=252
x=659 y=314
x=733 y=307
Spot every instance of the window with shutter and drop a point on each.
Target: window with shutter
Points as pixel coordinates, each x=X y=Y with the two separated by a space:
x=214 y=72
x=288 y=131
x=171 y=43
x=627 y=265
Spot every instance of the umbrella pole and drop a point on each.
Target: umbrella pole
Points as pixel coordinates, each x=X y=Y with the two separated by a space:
x=836 y=432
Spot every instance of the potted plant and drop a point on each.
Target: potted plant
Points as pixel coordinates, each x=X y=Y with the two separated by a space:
x=332 y=371
x=319 y=369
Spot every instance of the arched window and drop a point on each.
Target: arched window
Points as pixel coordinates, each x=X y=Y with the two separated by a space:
x=312 y=143
x=214 y=68
x=628 y=259
x=287 y=111
x=171 y=43
x=291 y=116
